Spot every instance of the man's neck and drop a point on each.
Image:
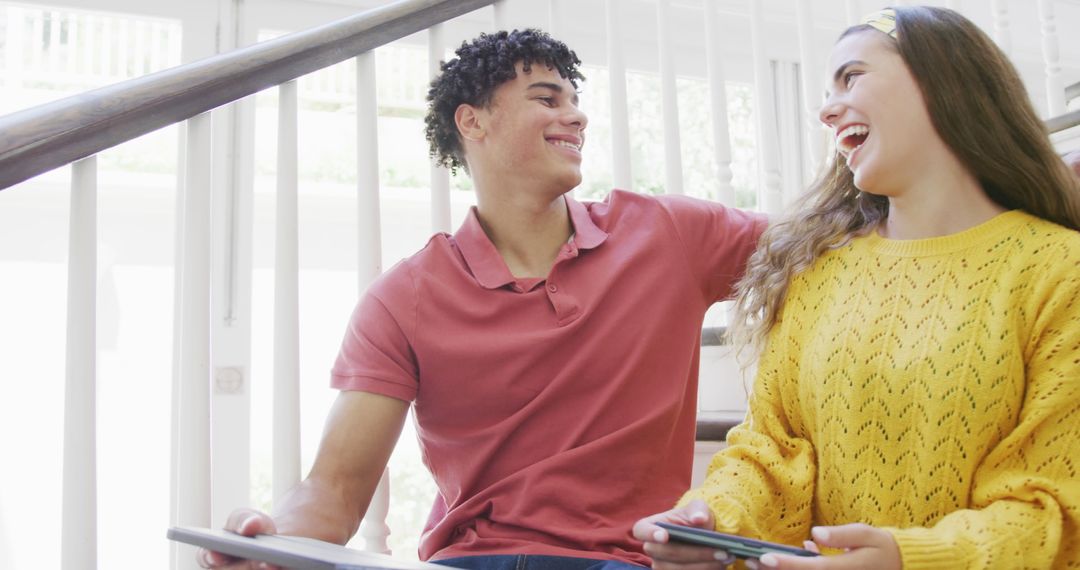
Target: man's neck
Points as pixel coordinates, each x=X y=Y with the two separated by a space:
x=527 y=232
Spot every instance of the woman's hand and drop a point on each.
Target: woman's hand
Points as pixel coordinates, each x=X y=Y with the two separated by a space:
x=675 y=556
x=864 y=547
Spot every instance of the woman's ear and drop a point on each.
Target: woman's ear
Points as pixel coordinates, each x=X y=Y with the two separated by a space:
x=469 y=122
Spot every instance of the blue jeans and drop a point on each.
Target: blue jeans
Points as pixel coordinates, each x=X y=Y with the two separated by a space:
x=534 y=562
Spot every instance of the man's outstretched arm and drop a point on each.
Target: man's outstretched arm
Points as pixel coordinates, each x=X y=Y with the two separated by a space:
x=361 y=432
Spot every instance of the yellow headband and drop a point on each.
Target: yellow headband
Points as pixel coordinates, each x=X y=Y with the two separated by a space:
x=883 y=21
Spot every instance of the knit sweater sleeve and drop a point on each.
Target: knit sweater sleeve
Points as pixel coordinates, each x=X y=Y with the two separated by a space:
x=1025 y=501
x=762 y=484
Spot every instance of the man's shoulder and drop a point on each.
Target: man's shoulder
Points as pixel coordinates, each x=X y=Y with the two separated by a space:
x=618 y=203
x=681 y=211
x=402 y=276
x=618 y=200
x=621 y=199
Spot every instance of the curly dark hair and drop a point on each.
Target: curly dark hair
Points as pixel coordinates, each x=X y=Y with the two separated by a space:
x=472 y=77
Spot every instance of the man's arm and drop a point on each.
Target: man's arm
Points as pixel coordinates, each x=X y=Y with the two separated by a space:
x=361 y=432
x=718 y=241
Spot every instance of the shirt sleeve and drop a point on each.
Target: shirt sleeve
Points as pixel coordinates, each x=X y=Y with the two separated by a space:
x=762 y=484
x=717 y=240
x=1026 y=494
x=376 y=355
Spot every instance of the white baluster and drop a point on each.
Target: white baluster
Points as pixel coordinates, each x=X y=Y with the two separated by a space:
x=501 y=16
x=286 y=430
x=74 y=38
x=139 y=31
x=714 y=61
x=54 y=41
x=768 y=146
x=620 y=113
x=92 y=46
x=178 y=329
x=556 y=19
x=78 y=535
x=851 y=8
x=367 y=160
x=669 y=100
x=192 y=457
x=440 y=176
x=37 y=30
x=176 y=42
x=1055 y=85
x=810 y=74
x=14 y=62
x=157 y=29
x=1002 y=36
x=108 y=48
x=373 y=528
x=230 y=427
x=123 y=47
x=792 y=156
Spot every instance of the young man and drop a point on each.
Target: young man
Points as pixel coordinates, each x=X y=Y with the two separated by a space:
x=549 y=347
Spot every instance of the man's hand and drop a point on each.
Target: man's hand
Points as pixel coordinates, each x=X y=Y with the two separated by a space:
x=247 y=522
x=329 y=504
x=675 y=556
x=864 y=547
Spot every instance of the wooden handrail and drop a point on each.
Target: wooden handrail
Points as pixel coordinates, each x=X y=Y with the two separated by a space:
x=39 y=139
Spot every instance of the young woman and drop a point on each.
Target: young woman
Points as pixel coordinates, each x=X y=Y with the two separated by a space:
x=917 y=401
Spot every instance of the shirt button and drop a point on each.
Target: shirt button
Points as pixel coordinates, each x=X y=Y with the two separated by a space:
x=553 y=288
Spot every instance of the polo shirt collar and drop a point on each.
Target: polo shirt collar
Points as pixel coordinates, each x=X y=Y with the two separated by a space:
x=586 y=234
x=488 y=266
x=483 y=260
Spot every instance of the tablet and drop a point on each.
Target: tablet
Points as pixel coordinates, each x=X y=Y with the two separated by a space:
x=292 y=551
x=737 y=546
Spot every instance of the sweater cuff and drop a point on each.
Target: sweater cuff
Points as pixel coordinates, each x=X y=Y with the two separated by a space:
x=725 y=515
x=923 y=548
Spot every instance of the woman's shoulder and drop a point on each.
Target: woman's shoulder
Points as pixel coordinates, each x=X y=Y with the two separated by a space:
x=1049 y=241
x=1046 y=230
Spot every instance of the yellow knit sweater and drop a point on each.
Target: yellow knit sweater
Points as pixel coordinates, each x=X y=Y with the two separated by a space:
x=931 y=387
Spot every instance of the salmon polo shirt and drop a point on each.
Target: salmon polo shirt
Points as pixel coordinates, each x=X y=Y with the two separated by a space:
x=552 y=413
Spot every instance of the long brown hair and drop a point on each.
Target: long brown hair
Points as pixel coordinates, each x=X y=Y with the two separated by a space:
x=980 y=109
